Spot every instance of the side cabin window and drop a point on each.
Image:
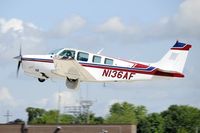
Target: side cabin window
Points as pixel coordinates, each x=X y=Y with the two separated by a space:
x=96 y=59
x=108 y=61
x=67 y=54
x=82 y=56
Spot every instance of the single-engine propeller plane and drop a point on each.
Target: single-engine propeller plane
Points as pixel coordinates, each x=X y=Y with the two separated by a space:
x=76 y=66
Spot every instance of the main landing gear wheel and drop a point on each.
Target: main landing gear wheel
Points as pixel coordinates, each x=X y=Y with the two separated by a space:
x=41 y=80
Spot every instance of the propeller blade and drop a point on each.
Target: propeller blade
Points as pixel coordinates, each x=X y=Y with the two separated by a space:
x=20 y=50
x=19 y=58
x=18 y=67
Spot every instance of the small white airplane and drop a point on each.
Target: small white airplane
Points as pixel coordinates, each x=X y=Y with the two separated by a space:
x=76 y=66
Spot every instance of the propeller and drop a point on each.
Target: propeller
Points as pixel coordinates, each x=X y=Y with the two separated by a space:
x=19 y=58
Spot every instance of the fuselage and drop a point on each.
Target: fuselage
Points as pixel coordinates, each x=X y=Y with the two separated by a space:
x=102 y=68
x=96 y=67
x=76 y=66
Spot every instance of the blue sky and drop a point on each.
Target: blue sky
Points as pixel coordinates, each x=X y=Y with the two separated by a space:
x=131 y=29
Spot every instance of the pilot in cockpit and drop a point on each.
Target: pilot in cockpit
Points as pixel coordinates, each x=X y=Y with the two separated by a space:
x=67 y=54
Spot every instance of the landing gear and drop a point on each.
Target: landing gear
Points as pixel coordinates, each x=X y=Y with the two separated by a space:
x=41 y=80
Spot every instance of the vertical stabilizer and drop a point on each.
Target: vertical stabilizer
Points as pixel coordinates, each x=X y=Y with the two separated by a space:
x=175 y=58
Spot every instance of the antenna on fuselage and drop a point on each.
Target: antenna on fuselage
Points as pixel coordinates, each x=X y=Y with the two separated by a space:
x=104 y=84
x=99 y=52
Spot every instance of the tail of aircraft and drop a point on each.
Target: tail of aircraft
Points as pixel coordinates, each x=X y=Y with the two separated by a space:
x=175 y=58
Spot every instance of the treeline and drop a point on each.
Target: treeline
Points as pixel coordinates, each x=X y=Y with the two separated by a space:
x=176 y=119
x=41 y=116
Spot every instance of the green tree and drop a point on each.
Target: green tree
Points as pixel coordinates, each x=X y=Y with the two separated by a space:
x=50 y=117
x=92 y=119
x=95 y=120
x=82 y=118
x=66 y=119
x=181 y=118
x=123 y=113
x=144 y=126
x=41 y=116
x=53 y=117
x=34 y=113
x=156 y=123
x=153 y=123
x=182 y=130
x=141 y=112
x=98 y=120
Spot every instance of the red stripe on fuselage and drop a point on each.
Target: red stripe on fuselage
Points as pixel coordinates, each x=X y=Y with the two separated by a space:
x=141 y=66
x=135 y=65
x=159 y=72
x=156 y=72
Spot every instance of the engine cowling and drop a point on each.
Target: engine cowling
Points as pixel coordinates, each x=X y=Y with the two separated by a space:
x=72 y=83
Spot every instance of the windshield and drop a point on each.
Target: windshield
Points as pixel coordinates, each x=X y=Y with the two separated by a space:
x=55 y=51
x=67 y=54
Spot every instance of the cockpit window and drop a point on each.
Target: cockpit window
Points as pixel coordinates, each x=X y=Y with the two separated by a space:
x=82 y=56
x=108 y=61
x=55 y=51
x=96 y=59
x=67 y=54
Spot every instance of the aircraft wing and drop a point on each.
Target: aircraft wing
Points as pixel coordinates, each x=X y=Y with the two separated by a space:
x=71 y=69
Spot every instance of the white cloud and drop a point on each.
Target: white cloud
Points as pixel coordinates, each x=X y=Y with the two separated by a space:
x=5 y=94
x=12 y=24
x=188 y=19
x=33 y=39
x=110 y=103
x=189 y=10
x=68 y=26
x=6 y=97
x=113 y=101
x=14 y=32
x=42 y=102
x=184 y=24
x=114 y=24
x=67 y=97
x=114 y=30
x=32 y=25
